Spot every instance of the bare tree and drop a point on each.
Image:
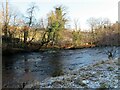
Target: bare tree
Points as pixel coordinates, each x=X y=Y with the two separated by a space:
x=6 y=18
x=92 y=23
x=107 y=22
x=42 y=24
x=31 y=12
x=30 y=23
x=76 y=24
x=102 y=22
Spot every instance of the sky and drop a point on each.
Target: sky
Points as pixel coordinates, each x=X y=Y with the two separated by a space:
x=77 y=9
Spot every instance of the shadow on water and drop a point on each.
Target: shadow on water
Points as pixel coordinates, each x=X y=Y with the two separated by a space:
x=55 y=61
x=7 y=62
x=27 y=76
x=8 y=72
x=25 y=68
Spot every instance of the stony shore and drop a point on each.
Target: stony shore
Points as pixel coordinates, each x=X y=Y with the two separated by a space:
x=103 y=74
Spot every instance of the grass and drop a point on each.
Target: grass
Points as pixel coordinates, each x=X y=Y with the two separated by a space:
x=103 y=86
x=110 y=68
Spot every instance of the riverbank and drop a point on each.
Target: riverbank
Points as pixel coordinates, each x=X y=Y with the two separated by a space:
x=11 y=51
x=103 y=74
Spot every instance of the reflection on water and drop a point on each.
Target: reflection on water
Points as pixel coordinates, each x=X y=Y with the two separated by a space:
x=27 y=75
x=29 y=67
x=56 y=63
x=26 y=65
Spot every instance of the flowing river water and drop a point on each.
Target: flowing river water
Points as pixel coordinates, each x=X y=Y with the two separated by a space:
x=27 y=67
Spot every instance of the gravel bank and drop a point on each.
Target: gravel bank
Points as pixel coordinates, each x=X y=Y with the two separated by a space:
x=103 y=74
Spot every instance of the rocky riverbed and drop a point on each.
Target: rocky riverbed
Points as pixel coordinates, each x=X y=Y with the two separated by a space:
x=103 y=74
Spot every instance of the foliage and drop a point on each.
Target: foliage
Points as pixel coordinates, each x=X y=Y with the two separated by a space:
x=56 y=23
x=76 y=38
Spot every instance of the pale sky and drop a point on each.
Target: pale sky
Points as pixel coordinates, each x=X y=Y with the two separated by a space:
x=77 y=9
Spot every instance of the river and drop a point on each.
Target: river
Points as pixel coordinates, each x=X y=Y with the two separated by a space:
x=28 y=67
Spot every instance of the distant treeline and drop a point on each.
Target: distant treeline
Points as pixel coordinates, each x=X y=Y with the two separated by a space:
x=51 y=33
